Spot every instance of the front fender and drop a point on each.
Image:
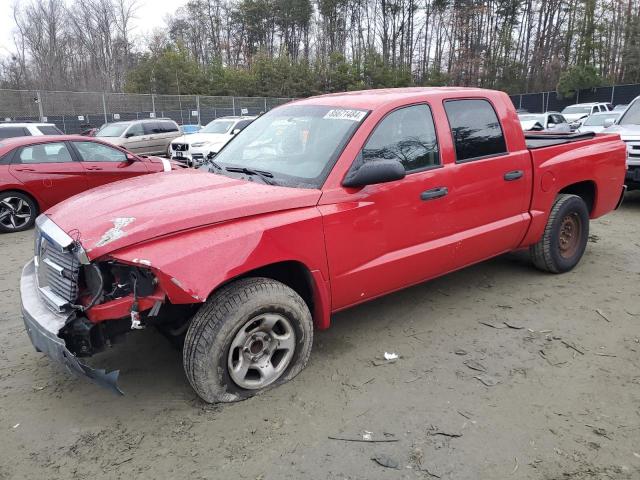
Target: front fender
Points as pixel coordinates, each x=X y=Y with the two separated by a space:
x=191 y=265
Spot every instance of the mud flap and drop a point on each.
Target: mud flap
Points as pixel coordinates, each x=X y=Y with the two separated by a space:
x=39 y=322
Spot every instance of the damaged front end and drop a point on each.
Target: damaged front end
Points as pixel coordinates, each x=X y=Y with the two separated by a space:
x=67 y=300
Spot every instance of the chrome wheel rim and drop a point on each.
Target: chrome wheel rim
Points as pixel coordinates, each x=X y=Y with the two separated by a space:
x=14 y=212
x=261 y=351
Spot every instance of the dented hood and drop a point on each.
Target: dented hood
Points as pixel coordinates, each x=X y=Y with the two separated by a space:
x=131 y=211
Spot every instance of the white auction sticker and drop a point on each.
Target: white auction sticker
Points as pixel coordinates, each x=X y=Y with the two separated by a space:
x=340 y=114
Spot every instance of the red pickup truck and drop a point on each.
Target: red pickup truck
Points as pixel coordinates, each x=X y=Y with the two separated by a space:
x=318 y=205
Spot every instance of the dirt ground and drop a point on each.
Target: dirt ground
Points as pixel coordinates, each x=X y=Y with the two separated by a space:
x=559 y=397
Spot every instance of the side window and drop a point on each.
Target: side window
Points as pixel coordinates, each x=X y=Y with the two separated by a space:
x=49 y=130
x=135 y=130
x=168 y=127
x=96 y=152
x=10 y=132
x=45 y=153
x=407 y=135
x=475 y=129
x=150 y=127
x=241 y=125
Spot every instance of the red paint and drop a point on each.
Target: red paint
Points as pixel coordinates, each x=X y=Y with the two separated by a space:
x=51 y=183
x=200 y=230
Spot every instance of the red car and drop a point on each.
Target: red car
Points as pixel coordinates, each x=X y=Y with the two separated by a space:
x=318 y=205
x=39 y=172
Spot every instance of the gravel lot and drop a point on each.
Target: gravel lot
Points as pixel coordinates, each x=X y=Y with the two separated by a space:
x=561 y=400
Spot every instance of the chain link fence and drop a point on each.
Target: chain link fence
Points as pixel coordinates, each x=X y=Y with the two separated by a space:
x=73 y=112
x=549 y=101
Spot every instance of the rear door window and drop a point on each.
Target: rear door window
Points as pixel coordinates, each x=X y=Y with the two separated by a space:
x=97 y=152
x=242 y=124
x=407 y=135
x=151 y=128
x=475 y=129
x=11 y=132
x=45 y=153
x=49 y=130
x=168 y=127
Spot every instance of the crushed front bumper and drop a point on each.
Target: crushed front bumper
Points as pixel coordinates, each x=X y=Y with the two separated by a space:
x=42 y=326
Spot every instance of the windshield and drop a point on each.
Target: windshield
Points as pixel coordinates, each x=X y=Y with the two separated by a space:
x=632 y=115
x=297 y=144
x=112 y=130
x=598 y=120
x=218 y=126
x=532 y=118
x=576 y=110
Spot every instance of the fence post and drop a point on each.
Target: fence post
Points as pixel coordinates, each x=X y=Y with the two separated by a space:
x=542 y=102
x=198 y=107
x=233 y=103
x=265 y=105
x=153 y=104
x=613 y=91
x=40 y=111
x=578 y=96
x=520 y=104
x=104 y=108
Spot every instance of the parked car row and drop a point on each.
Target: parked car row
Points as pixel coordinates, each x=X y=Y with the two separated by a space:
x=37 y=172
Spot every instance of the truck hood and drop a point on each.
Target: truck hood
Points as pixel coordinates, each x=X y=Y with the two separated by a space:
x=529 y=124
x=131 y=211
x=626 y=132
x=572 y=117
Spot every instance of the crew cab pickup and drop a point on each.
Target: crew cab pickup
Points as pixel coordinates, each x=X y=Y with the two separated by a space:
x=317 y=206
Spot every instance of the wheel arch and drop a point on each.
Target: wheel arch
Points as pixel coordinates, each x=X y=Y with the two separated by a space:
x=587 y=190
x=307 y=283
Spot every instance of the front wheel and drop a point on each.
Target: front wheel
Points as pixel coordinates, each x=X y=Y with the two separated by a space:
x=253 y=334
x=565 y=237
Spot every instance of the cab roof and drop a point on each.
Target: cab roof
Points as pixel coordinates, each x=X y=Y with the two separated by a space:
x=370 y=99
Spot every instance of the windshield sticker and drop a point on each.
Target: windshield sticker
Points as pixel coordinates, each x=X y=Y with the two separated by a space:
x=340 y=114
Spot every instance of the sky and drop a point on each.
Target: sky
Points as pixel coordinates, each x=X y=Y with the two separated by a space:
x=150 y=15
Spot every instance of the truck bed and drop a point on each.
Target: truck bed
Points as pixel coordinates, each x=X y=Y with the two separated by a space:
x=541 y=140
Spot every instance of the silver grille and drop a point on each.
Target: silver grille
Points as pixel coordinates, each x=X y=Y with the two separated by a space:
x=57 y=270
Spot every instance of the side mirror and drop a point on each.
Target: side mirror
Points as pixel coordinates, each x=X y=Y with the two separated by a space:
x=235 y=131
x=551 y=125
x=131 y=157
x=373 y=172
x=608 y=122
x=129 y=135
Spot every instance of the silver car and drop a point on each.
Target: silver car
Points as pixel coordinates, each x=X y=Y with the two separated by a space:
x=145 y=137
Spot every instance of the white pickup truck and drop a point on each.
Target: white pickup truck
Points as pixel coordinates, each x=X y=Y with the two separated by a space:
x=628 y=127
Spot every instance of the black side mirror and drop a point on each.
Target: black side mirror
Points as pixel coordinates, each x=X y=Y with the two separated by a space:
x=373 y=172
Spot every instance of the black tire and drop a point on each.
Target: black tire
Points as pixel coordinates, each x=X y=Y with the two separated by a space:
x=553 y=253
x=18 y=212
x=207 y=346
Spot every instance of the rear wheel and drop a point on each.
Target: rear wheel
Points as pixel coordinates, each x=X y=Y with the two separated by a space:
x=253 y=334
x=17 y=212
x=565 y=236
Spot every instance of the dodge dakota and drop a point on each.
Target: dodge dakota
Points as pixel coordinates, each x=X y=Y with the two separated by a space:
x=317 y=206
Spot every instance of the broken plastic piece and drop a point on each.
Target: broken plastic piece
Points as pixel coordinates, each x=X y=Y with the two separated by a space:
x=391 y=356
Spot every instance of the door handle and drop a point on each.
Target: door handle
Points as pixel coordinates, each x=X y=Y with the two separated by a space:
x=434 y=193
x=25 y=169
x=94 y=168
x=513 y=175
